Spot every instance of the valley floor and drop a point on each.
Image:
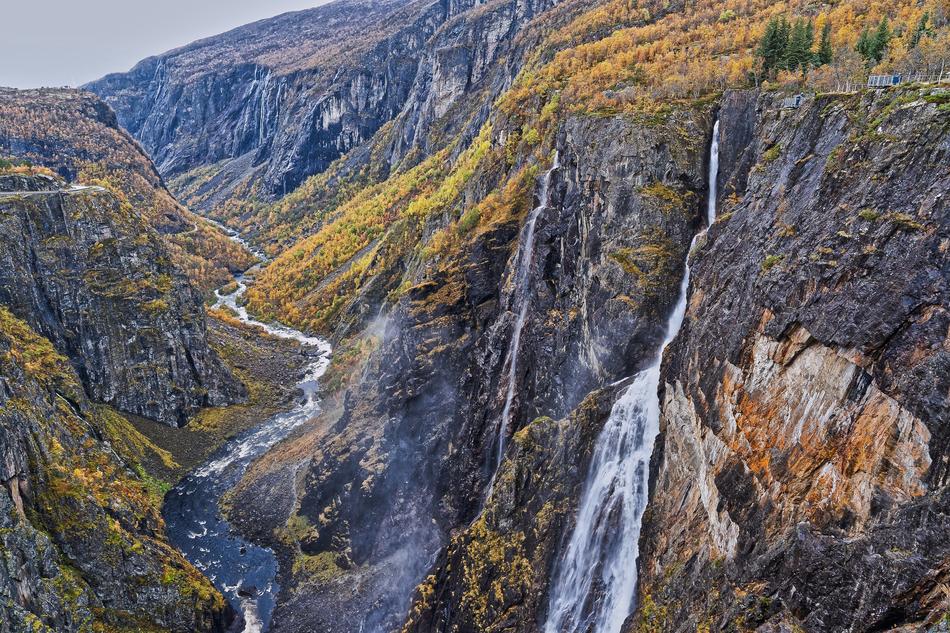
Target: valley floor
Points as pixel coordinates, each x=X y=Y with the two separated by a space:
x=267 y=365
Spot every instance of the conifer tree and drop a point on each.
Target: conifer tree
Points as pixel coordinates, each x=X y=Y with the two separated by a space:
x=864 y=45
x=798 y=55
x=882 y=40
x=873 y=46
x=921 y=30
x=825 y=53
x=772 y=47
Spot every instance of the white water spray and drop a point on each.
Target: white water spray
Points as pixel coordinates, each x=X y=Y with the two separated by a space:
x=523 y=271
x=191 y=510
x=596 y=580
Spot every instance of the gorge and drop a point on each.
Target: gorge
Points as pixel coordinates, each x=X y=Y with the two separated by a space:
x=575 y=316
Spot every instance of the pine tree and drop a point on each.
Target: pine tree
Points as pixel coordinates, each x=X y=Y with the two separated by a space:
x=784 y=32
x=873 y=46
x=882 y=39
x=825 y=54
x=809 y=42
x=864 y=45
x=798 y=55
x=921 y=30
x=772 y=45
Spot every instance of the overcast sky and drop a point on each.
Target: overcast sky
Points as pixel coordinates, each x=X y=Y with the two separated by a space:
x=70 y=42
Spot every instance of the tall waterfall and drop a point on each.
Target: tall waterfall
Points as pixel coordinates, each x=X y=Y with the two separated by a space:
x=520 y=299
x=596 y=578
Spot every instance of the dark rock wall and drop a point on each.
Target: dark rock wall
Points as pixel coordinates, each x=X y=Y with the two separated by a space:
x=81 y=537
x=408 y=462
x=608 y=260
x=801 y=478
x=85 y=271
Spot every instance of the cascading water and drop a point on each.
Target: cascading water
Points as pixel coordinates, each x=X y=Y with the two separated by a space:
x=520 y=299
x=595 y=582
x=244 y=572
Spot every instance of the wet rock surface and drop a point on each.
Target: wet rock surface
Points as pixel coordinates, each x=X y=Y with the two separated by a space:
x=84 y=270
x=404 y=462
x=800 y=481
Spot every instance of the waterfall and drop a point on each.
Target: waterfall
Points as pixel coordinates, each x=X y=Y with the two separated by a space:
x=595 y=583
x=520 y=299
x=713 y=176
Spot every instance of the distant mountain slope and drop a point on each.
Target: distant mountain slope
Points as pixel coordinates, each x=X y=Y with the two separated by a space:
x=279 y=99
x=77 y=135
x=250 y=114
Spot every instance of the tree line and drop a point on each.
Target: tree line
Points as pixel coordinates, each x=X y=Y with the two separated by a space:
x=790 y=46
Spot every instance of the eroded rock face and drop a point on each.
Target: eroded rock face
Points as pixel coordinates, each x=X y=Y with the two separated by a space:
x=82 y=541
x=801 y=477
x=277 y=101
x=609 y=259
x=407 y=463
x=86 y=272
x=493 y=575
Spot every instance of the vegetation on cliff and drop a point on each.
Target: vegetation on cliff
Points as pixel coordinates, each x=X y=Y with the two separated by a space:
x=76 y=135
x=81 y=526
x=654 y=56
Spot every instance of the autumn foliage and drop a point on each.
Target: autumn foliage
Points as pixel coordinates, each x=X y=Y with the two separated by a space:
x=76 y=135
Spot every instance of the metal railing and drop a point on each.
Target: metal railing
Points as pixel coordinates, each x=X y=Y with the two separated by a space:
x=886 y=81
x=794 y=101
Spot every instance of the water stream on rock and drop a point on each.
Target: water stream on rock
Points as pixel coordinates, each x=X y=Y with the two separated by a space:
x=596 y=577
x=245 y=573
x=522 y=273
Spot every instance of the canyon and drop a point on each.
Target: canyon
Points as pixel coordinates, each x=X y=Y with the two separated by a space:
x=478 y=317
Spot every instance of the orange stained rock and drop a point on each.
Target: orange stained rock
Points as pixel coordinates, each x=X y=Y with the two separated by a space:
x=790 y=401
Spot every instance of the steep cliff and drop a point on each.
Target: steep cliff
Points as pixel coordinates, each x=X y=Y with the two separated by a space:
x=801 y=478
x=280 y=98
x=240 y=119
x=82 y=540
x=494 y=322
x=503 y=203
x=85 y=271
x=77 y=135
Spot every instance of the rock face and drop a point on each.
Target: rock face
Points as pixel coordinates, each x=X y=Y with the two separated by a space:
x=416 y=443
x=84 y=270
x=76 y=134
x=81 y=535
x=801 y=478
x=260 y=109
x=288 y=93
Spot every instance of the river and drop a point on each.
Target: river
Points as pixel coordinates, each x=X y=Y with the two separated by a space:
x=245 y=573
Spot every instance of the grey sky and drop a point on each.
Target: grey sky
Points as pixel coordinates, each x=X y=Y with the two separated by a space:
x=70 y=42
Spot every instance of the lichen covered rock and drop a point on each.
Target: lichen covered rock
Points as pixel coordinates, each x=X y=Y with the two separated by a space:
x=82 y=546
x=801 y=477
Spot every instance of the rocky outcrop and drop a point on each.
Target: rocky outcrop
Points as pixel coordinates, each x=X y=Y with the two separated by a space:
x=86 y=272
x=801 y=478
x=493 y=575
x=81 y=537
